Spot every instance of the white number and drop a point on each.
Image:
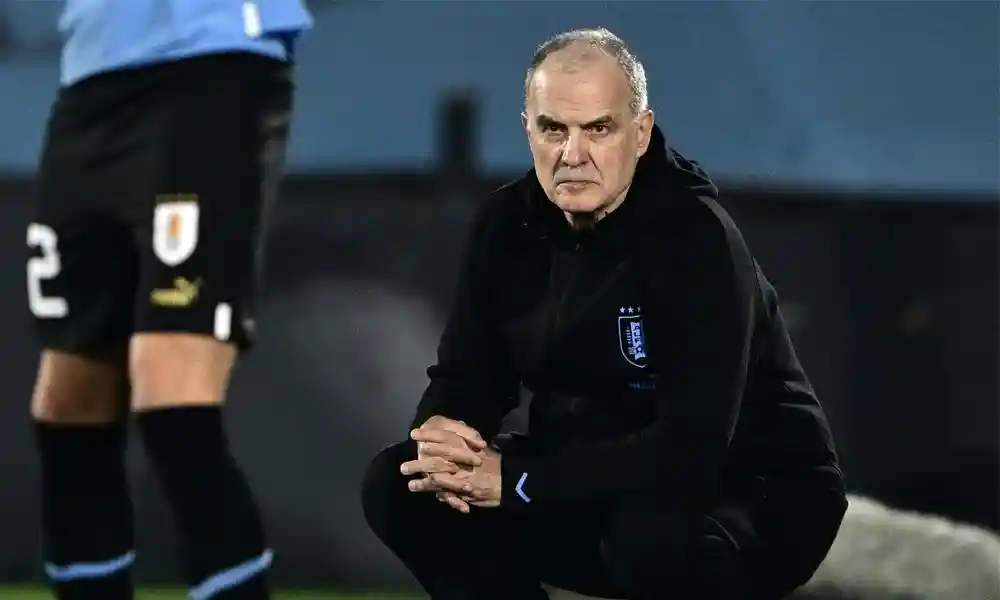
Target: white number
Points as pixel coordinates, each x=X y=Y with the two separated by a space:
x=42 y=268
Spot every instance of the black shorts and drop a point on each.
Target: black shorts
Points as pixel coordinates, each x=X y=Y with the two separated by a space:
x=154 y=188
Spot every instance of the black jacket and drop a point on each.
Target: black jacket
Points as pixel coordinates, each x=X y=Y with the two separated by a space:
x=653 y=344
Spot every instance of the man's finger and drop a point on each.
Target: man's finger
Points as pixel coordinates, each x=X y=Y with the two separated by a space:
x=454 y=501
x=462 y=456
x=456 y=484
x=430 y=464
x=468 y=434
x=423 y=484
x=438 y=436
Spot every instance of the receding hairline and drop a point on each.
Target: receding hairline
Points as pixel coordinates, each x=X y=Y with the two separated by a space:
x=572 y=50
x=574 y=55
x=555 y=76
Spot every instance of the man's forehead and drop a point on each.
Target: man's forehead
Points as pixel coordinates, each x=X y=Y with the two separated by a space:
x=581 y=94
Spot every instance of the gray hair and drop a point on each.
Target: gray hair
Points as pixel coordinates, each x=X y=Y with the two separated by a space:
x=605 y=42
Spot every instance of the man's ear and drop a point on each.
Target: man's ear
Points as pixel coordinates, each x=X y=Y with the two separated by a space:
x=644 y=122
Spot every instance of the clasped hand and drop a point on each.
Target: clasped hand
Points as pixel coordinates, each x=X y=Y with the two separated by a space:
x=455 y=463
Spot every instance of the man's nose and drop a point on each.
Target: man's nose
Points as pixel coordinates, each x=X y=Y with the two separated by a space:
x=574 y=150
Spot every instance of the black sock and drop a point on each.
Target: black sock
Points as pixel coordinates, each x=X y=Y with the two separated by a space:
x=222 y=540
x=86 y=510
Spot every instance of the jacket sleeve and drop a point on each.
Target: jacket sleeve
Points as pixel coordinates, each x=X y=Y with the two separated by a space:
x=472 y=379
x=699 y=313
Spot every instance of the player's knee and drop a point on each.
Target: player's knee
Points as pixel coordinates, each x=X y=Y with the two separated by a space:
x=384 y=496
x=78 y=389
x=178 y=369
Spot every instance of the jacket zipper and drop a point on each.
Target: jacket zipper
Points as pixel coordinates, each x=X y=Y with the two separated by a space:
x=570 y=282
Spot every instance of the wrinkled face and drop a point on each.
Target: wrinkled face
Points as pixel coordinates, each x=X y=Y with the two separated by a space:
x=584 y=139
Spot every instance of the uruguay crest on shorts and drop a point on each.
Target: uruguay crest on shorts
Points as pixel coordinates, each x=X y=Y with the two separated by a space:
x=631 y=337
x=175 y=228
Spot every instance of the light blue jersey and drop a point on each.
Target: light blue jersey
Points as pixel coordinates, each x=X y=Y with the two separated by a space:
x=103 y=35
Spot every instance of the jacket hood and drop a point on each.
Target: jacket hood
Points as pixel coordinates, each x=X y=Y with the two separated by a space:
x=665 y=163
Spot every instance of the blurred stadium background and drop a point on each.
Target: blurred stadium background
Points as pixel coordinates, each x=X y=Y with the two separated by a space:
x=857 y=144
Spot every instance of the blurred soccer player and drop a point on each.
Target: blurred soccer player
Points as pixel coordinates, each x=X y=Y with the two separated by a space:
x=161 y=156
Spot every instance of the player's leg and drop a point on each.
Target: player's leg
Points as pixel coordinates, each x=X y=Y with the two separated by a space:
x=81 y=279
x=221 y=133
x=86 y=508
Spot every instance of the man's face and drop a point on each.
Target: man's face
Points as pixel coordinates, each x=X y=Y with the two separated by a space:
x=584 y=139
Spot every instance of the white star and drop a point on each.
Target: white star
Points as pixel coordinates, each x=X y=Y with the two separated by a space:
x=630 y=310
x=622 y=310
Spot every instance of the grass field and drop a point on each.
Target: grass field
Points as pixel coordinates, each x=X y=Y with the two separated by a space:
x=33 y=593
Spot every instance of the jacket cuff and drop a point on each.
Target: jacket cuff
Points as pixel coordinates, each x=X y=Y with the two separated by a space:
x=522 y=483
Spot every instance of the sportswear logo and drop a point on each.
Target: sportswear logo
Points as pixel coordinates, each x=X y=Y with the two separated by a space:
x=183 y=294
x=175 y=227
x=631 y=339
x=519 y=488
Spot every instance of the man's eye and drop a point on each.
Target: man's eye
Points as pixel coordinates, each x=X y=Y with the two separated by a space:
x=599 y=129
